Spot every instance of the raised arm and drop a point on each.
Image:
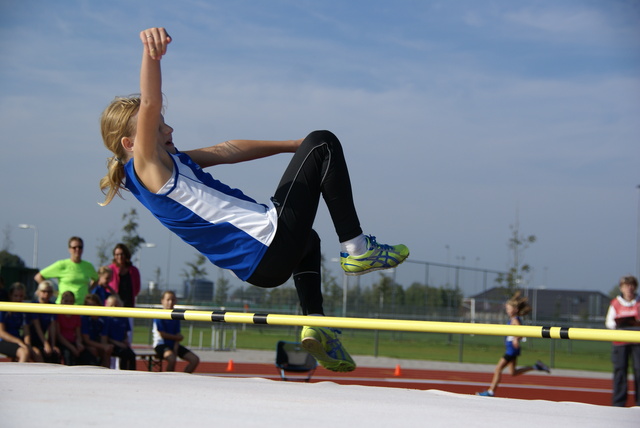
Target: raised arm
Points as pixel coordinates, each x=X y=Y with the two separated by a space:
x=235 y=151
x=38 y=278
x=152 y=163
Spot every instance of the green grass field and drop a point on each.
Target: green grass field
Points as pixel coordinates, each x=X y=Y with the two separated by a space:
x=560 y=354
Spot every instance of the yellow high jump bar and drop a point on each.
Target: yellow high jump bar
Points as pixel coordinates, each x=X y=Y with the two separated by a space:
x=336 y=322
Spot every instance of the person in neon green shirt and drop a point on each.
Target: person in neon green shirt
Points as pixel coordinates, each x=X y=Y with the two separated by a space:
x=73 y=274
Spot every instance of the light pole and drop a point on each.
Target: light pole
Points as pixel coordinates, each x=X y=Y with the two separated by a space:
x=447 y=248
x=345 y=287
x=143 y=245
x=638 y=236
x=35 y=242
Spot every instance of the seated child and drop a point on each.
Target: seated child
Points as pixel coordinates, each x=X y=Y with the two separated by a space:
x=43 y=328
x=92 y=327
x=13 y=344
x=115 y=332
x=68 y=335
x=167 y=338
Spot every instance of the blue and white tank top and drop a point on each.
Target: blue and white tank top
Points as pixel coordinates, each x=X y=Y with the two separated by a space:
x=229 y=228
x=509 y=339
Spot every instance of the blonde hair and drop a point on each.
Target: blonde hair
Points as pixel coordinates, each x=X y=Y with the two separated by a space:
x=102 y=270
x=45 y=284
x=114 y=298
x=520 y=303
x=117 y=121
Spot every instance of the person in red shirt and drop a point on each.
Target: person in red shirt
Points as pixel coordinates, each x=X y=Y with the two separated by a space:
x=624 y=313
x=69 y=337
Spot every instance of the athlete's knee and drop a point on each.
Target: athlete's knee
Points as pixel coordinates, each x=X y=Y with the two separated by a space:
x=311 y=259
x=322 y=136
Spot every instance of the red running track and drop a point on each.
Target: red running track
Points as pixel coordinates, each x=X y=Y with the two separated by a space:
x=531 y=387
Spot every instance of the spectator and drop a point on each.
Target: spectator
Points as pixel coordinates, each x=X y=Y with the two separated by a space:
x=515 y=308
x=69 y=334
x=126 y=277
x=43 y=328
x=12 y=343
x=125 y=280
x=624 y=314
x=92 y=328
x=73 y=274
x=167 y=338
x=115 y=332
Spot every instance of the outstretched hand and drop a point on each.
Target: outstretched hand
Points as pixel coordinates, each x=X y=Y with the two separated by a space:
x=155 y=41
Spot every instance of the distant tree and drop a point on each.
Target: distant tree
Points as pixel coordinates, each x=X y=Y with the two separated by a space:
x=450 y=298
x=417 y=298
x=196 y=270
x=378 y=298
x=331 y=291
x=10 y=260
x=354 y=297
x=104 y=248
x=131 y=238
x=283 y=296
x=517 y=275
x=7 y=242
x=222 y=289
x=614 y=292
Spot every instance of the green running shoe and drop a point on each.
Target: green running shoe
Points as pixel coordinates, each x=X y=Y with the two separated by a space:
x=378 y=257
x=324 y=345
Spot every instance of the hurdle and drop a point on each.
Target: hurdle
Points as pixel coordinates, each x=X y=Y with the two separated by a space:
x=335 y=322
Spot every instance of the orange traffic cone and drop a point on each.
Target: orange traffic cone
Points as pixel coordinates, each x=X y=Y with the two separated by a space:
x=230 y=366
x=398 y=371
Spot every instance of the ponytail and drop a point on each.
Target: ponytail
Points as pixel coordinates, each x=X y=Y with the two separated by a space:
x=113 y=182
x=117 y=121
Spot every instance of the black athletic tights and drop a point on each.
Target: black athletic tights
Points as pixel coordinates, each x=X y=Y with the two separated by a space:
x=317 y=169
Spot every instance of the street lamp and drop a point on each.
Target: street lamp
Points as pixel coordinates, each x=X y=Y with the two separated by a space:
x=35 y=242
x=447 y=248
x=638 y=237
x=143 y=245
x=345 y=287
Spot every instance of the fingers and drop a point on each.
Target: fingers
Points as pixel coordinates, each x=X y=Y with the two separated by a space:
x=155 y=41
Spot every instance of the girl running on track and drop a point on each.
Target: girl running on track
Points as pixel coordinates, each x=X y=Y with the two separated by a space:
x=515 y=307
x=263 y=244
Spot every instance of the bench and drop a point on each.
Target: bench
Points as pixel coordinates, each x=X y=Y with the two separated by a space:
x=152 y=359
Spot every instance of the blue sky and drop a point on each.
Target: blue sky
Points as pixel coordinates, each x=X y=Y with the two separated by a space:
x=454 y=116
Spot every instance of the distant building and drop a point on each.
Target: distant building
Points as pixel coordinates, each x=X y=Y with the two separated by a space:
x=198 y=290
x=548 y=305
